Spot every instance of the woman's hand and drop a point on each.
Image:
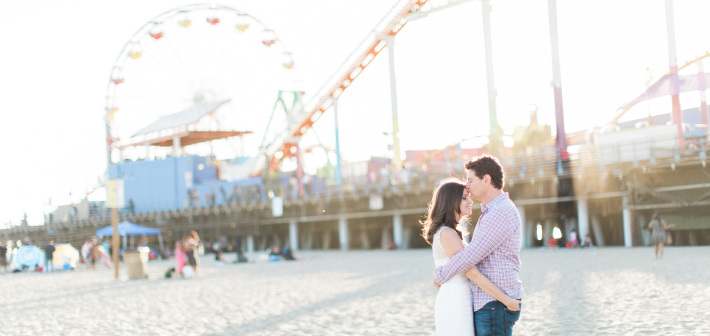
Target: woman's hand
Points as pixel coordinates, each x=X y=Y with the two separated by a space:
x=512 y=304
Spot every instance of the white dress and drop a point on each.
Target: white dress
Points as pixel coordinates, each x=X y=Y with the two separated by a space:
x=453 y=314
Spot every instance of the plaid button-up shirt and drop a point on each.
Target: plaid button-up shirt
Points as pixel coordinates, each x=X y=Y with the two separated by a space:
x=494 y=250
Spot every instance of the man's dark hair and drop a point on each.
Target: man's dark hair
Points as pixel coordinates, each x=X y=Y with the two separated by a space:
x=488 y=165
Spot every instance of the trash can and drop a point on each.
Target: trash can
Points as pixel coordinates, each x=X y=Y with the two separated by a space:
x=137 y=263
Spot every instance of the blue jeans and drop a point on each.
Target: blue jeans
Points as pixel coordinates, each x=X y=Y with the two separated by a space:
x=495 y=319
x=47 y=265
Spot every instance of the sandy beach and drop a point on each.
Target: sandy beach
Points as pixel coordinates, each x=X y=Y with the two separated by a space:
x=603 y=291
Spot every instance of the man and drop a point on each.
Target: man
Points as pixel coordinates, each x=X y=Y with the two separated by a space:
x=49 y=255
x=494 y=248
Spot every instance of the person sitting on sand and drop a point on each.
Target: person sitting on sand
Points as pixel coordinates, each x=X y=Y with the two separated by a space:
x=275 y=250
x=218 y=257
x=587 y=241
x=287 y=253
x=552 y=243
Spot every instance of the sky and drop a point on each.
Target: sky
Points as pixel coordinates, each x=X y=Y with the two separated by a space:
x=58 y=58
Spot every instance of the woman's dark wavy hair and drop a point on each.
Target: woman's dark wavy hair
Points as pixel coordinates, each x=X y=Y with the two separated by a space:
x=444 y=208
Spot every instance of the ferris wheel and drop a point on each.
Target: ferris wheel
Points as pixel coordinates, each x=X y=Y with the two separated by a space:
x=191 y=56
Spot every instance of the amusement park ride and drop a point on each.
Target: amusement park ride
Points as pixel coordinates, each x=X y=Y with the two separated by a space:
x=177 y=130
x=372 y=47
x=183 y=60
x=156 y=106
x=279 y=142
x=201 y=120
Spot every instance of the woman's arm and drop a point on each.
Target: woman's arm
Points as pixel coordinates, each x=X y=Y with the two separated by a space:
x=451 y=242
x=667 y=226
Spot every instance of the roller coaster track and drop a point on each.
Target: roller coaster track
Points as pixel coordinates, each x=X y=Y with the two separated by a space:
x=350 y=69
x=626 y=107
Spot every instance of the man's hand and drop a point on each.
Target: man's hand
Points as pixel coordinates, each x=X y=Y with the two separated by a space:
x=512 y=304
x=436 y=284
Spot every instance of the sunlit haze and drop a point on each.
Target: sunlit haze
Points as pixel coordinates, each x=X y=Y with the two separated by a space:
x=58 y=57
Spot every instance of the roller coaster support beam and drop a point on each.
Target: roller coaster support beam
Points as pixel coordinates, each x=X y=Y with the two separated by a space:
x=495 y=142
x=703 y=99
x=562 y=155
x=396 y=158
x=371 y=50
x=676 y=116
x=338 y=167
x=299 y=168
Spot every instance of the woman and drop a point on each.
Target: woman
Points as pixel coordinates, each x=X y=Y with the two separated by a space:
x=180 y=257
x=103 y=255
x=454 y=308
x=658 y=234
x=191 y=248
x=86 y=251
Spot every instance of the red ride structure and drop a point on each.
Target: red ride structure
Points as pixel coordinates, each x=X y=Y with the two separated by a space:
x=325 y=101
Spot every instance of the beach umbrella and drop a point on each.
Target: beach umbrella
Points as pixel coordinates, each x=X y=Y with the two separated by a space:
x=65 y=256
x=127 y=228
x=28 y=256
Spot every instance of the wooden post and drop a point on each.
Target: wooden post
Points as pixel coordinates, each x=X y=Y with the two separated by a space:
x=114 y=199
x=114 y=239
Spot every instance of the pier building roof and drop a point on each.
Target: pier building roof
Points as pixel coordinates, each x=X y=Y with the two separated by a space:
x=185 y=125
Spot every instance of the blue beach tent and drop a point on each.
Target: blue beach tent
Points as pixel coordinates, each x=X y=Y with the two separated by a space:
x=127 y=228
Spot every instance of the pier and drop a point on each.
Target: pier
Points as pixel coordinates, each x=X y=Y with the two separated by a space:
x=610 y=199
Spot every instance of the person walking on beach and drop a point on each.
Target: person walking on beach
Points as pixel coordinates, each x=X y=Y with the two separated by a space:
x=573 y=239
x=658 y=228
x=494 y=248
x=49 y=255
x=94 y=253
x=86 y=251
x=180 y=256
x=453 y=313
x=3 y=255
x=191 y=247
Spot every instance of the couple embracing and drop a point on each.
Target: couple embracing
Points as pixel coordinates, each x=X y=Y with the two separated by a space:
x=479 y=289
